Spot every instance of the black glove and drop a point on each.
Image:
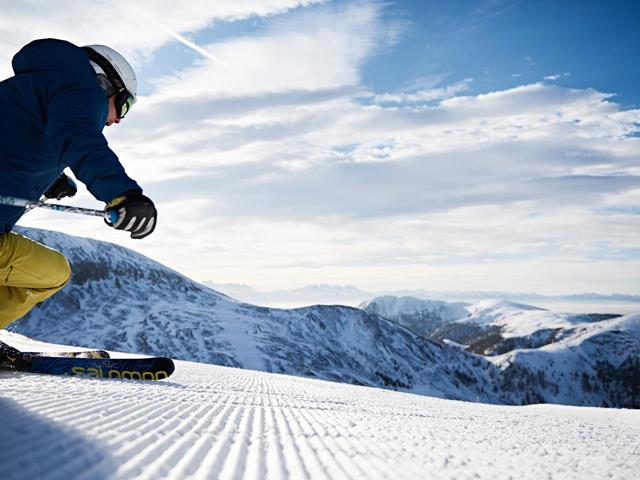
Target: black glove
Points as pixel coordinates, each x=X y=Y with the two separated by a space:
x=62 y=187
x=133 y=212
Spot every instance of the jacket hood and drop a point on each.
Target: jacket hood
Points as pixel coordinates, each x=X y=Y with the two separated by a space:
x=50 y=54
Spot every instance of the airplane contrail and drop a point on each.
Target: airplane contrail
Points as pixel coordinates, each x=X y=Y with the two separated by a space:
x=189 y=43
x=197 y=48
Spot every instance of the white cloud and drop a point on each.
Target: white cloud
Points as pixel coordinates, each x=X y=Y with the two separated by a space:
x=309 y=52
x=556 y=76
x=424 y=96
x=130 y=27
x=327 y=189
x=276 y=172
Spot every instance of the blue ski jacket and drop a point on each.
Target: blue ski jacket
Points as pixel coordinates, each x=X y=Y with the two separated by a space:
x=52 y=112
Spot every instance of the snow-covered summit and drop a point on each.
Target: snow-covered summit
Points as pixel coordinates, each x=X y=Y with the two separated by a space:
x=514 y=319
x=492 y=305
x=497 y=326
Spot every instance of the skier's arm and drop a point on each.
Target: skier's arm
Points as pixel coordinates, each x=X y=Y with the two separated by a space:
x=75 y=119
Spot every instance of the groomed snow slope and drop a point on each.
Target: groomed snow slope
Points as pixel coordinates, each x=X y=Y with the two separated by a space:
x=218 y=422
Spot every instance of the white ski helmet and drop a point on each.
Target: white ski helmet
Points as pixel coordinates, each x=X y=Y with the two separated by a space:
x=107 y=61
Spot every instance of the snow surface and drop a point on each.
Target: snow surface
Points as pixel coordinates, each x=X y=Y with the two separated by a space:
x=218 y=422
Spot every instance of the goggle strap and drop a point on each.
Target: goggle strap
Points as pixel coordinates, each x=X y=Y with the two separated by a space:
x=106 y=85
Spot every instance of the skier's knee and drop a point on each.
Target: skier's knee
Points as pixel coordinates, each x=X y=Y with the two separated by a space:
x=61 y=271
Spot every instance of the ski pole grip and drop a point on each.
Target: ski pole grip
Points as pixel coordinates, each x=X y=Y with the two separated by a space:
x=111 y=216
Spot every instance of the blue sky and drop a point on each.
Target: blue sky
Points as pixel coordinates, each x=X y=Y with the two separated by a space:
x=501 y=44
x=467 y=145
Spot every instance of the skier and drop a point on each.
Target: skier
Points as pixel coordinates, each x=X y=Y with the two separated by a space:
x=53 y=111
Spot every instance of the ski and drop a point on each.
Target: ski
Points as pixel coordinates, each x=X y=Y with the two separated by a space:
x=152 y=368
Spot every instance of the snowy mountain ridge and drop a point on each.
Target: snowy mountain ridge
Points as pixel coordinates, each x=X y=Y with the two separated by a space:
x=123 y=301
x=543 y=356
x=490 y=323
x=598 y=360
x=517 y=319
x=120 y=300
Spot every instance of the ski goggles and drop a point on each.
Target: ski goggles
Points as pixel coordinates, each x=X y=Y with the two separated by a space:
x=123 y=102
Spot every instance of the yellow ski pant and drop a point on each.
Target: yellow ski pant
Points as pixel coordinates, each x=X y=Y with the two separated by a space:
x=29 y=274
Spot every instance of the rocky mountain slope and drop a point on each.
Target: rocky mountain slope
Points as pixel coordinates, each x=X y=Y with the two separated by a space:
x=543 y=356
x=422 y=317
x=597 y=362
x=487 y=327
x=121 y=300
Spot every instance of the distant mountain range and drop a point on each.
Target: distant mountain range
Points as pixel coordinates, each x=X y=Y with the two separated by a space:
x=295 y=297
x=123 y=301
x=353 y=296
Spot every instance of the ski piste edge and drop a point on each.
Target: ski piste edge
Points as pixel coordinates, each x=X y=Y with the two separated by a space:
x=150 y=368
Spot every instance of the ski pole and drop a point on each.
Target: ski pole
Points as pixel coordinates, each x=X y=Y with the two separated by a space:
x=112 y=216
